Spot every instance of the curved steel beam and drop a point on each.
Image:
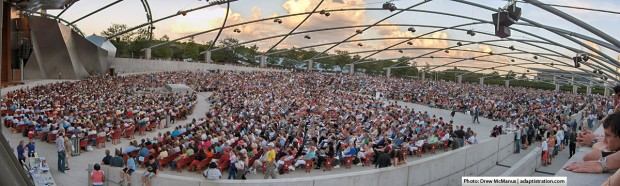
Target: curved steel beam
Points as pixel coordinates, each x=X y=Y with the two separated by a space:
x=55 y=17
x=94 y=12
x=222 y=28
x=298 y=25
x=358 y=33
x=412 y=10
x=609 y=59
x=149 y=17
x=407 y=40
x=575 y=21
x=66 y=8
x=170 y=16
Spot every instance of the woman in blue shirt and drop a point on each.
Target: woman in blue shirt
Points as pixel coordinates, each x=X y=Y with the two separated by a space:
x=20 y=153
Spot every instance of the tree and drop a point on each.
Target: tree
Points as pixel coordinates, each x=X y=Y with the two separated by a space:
x=511 y=75
x=229 y=52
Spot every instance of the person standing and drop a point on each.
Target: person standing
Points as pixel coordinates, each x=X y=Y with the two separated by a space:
x=31 y=148
x=68 y=150
x=20 y=153
x=271 y=156
x=60 y=148
x=475 y=115
x=517 y=140
x=571 y=144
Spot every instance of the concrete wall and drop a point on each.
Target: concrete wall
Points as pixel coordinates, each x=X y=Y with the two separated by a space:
x=527 y=165
x=582 y=178
x=442 y=169
x=127 y=65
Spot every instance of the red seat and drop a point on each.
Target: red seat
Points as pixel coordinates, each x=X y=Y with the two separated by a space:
x=42 y=135
x=223 y=164
x=404 y=155
x=183 y=162
x=51 y=138
x=83 y=144
x=100 y=140
x=348 y=162
x=116 y=137
x=309 y=164
x=369 y=157
x=145 y=160
x=200 y=166
x=286 y=165
x=419 y=151
x=152 y=125
x=129 y=133
x=329 y=164
x=433 y=148
x=142 y=131
x=21 y=128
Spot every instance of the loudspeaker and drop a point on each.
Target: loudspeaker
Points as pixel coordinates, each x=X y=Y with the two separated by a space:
x=502 y=31
x=503 y=18
x=514 y=12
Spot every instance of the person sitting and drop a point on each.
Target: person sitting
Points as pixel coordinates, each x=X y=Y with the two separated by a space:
x=97 y=176
x=107 y=158
x=143 y=153
x=132 y=147
x=212 y=173
x=310 y=155
x=117 y=161
x=611 y=140
x=127 y=171
x=151 y=171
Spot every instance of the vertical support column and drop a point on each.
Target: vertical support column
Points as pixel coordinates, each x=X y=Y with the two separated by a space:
x=208 y=57
x=575 y=87
x=459 y=79
x=557 y=87
x=310 y=64
x=589 y=88
x=263 y=59
x=606 y=89
x=481 y=81
x=507 y=83
x=147 y=53
x=388 y=72
x=423 y=75
x=351 y=69
x=554 y=80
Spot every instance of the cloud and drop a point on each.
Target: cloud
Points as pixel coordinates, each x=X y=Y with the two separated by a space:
x=347 y=18
x=197 y=22
x=593 y=45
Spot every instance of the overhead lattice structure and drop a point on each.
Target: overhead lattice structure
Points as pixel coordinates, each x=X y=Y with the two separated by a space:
x=444 y=34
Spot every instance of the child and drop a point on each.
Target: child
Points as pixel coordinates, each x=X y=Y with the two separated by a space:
x=98 y=176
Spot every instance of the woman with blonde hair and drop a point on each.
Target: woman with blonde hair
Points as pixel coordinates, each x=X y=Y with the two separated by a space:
x=68 y=150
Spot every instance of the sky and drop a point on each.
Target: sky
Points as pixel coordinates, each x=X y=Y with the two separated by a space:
x=131 y=13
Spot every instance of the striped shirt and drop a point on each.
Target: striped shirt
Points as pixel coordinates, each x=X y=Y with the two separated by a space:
x=60 y=144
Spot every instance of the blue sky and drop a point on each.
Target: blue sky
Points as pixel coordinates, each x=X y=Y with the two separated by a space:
x=130 y=12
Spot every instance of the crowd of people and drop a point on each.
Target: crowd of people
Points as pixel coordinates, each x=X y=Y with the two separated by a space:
x=278 y=122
